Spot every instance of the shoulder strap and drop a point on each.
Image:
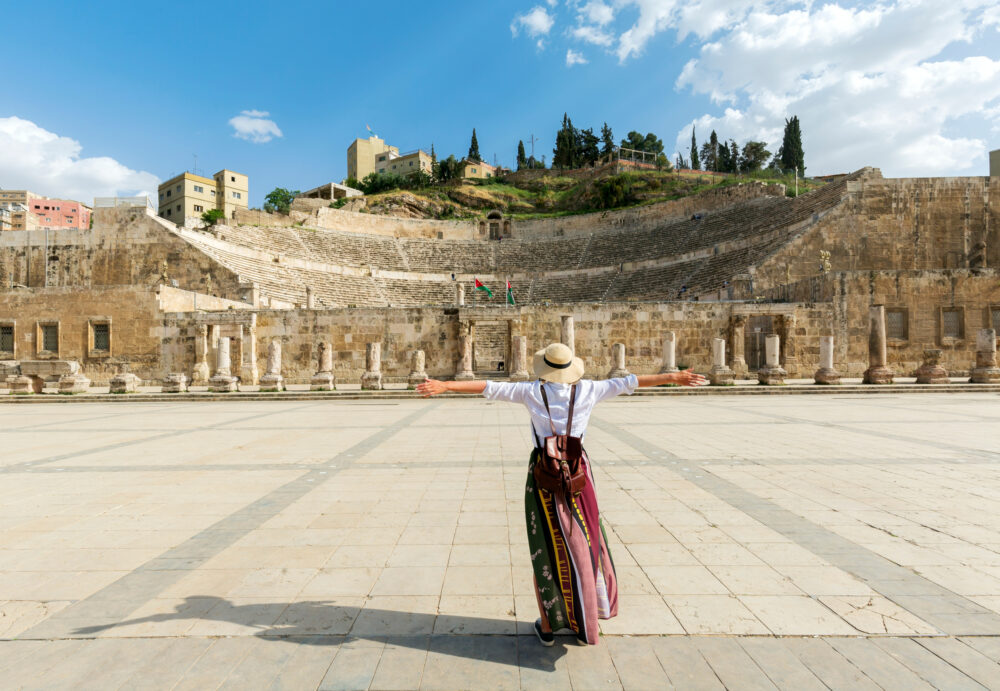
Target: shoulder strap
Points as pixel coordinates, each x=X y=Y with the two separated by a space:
x=545 y=400
x=572 y=401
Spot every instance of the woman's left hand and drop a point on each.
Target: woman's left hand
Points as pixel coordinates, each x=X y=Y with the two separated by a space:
x=689 y=378
x=431 y=387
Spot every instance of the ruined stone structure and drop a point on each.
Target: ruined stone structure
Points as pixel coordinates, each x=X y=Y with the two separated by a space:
x=740 y=264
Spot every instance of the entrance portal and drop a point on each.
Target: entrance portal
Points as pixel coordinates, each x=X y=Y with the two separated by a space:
x=757 y=329
x=490 y=346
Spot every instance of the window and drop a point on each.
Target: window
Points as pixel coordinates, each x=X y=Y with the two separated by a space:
x=199 y=188
x=951 y=323
x=7 y=338
x=168 y=212
x=233 y=178
x=168 y=193
x=50 y=337
x=896 y=325
x=213 y=193
x=178 y=188
x=178 y=207
x=237 y=195
x=994 y=320
x=199 y=208
x=102 y=336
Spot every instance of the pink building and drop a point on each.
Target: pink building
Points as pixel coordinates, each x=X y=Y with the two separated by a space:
x=59 y=213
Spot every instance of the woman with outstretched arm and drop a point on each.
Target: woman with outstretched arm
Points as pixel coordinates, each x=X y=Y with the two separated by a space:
x=575 y=580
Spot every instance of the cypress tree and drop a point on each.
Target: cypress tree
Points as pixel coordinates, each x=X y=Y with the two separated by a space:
x=695 y=164
x=474 y=148
x=790 y=155
x=522 y=160
x=607 y=140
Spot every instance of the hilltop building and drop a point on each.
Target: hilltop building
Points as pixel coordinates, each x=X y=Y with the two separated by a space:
x=479 y=170
x=361 y=156
x=25 y=210
x=403 y=164
x=995 y=163
x=188 y=196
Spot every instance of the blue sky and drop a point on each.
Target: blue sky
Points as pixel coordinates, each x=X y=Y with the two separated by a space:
x=132 y=93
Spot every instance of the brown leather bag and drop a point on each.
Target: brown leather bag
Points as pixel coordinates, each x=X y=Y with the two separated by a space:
x=560 y=461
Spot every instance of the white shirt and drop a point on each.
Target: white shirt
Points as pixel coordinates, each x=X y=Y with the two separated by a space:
x=589 y=393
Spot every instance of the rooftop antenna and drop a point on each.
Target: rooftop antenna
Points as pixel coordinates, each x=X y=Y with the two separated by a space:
x=532 y=140
x=195 y=169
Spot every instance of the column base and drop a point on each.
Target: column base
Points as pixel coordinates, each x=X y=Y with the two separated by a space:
x=668 y=370
x=932 y=374
x=826 y=375
x=200 y=374
x=175 y=383
x=721 y=376
x=272 y=383
x=615 y=373
x=222 y=383
x=985 y=375
x=771 y=376
x=124 y=383
x=323 y=381
x=25 y=385
x=465 y=376
x=415 y=378
x=371 y=381
x=877 y=375
x=73 y=383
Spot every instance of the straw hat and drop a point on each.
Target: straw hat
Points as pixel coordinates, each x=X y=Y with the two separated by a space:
x=556 y=363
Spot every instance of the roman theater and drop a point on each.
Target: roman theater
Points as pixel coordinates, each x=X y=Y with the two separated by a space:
x=737 y=263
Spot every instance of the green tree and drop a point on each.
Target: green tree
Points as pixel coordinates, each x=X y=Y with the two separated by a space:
x=695 y=164
x=663 y=163
x=434 y=157
x=615 y=191
x=352 y=182
x=725 y=162
x=680 y=163
x=448 y=169
x=754 y=156
x=652 y=144
x=279 y=199
x=607 y=140
x=588 y=151
x=213 y=216
x=790 y=154
x=474 y=148
x=710 y=153
x=734 y=157
x=566 y=154
x=522 y=160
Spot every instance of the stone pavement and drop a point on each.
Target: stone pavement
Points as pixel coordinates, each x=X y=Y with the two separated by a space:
x=840 y=541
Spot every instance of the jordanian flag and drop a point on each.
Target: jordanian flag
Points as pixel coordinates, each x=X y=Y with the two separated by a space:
x=482 y=286
x=510 y=294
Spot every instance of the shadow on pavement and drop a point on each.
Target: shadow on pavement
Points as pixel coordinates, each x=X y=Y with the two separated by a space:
x=323 y=623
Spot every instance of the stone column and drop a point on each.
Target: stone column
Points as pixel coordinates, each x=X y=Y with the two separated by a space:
x=324 y=380
x=175 y=382
x=272 y=379
x=519 y=353
x=826 y=374
x=223 y=381
x=249 y=374
x=460 y=295
x=371 y=380
x=720 y=374
x=986 y=371
x=464 y=370
x=124 y=381
x=618 y=368
x=669 y=353
x=772 y=374
x=310 y=298
x=739 y=323
x=791 y=363
x=568 y=334
x=418 y=372
x=201 y=371
x=931 y=371
x=877 y=372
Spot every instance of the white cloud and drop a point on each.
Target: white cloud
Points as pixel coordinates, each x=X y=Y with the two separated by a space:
x=595 y=12
x=574 y=58
x=592 y=34
x=536 y=22
x=48 y=164
x=254 y=126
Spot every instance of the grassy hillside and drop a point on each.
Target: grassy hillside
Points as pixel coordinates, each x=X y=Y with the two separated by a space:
x=549 y=193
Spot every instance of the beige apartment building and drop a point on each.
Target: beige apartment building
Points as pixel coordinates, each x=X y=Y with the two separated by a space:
x=995 y=163
x=477 y=169
x=361 y=156
x=188 y=196
x=405 y=164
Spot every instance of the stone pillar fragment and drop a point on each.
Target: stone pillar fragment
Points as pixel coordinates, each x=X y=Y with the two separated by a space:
x=371 y=380
x=201 y=371
x=23 y=384
x=272 y=379
x=464 y=370
x=519 y=354
x=826 y=374
x=772 y=373
x=324 y=380
x=567 y=335
x=460 y=295
x=418 y=371
x=124 y=381
x=669 y=353
x=877 y=372
x=738 y=342
x=986 y=371
x=618 y=368
x=73 y=383
x=176 y=382
x=310 y=298
x=720 y=374
x=223 y=381
x=931 y=371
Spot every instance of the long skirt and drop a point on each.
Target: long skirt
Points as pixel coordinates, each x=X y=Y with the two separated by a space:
x=574 y=576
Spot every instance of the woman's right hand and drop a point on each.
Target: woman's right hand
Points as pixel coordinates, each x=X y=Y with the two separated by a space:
x=431 y=387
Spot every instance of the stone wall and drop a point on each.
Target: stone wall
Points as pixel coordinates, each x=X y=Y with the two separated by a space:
x=897 y=223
